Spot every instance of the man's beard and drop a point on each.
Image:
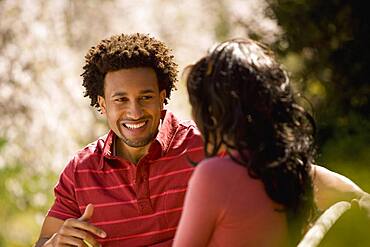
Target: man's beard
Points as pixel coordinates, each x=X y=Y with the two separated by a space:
x=139 y=143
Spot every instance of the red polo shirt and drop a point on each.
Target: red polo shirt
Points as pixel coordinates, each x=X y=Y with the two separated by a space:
x=136 y=205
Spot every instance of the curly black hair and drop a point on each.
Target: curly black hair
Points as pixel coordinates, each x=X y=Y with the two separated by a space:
x=241 y=99
x=123 y=52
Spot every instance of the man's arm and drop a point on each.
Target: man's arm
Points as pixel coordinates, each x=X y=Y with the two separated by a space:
x=75 y=232
x=331 y=187
x=50 y=226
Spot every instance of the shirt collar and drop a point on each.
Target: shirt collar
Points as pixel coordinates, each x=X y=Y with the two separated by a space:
x=164 y=137
x=107 y=148
x=167 y=130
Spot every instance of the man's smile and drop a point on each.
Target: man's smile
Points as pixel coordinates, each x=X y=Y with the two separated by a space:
x=136 y=125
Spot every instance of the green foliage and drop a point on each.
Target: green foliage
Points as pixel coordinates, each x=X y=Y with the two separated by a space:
x=25 y=198
x=350 y=230
x=348 y=151
x=330 y=39
x=2 y=142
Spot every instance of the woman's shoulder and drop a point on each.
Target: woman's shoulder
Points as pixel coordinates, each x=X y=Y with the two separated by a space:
x=220 y=169
x=223 y=172
x=220 y=165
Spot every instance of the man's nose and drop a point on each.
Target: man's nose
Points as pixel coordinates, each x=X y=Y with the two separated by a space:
x=135 y=111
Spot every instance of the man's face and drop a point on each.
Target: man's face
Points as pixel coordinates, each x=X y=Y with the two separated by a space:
x=133 y=104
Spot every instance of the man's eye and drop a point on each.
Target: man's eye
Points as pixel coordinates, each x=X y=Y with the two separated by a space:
x=120 y=99
x=146 y=97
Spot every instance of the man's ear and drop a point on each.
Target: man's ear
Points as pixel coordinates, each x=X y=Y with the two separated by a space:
x=162 y=97
x=102 y=104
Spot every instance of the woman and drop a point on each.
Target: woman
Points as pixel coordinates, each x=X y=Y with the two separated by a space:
x=260 y=193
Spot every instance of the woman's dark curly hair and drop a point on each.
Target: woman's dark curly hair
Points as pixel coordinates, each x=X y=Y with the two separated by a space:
x=241 y=99
x=124 y=52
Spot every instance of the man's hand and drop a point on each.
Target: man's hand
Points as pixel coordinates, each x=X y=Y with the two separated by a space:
x=77 y=232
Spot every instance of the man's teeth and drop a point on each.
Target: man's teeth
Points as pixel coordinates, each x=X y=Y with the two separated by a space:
x=135 y=126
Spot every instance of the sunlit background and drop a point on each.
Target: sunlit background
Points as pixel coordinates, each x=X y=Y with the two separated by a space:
x=45 y=119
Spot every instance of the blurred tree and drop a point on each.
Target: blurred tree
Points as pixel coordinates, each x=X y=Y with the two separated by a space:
x=324 y=44
x=331 y=39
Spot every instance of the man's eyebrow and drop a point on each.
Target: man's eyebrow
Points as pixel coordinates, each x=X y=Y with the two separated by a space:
x=147 y=91
x=118 y=94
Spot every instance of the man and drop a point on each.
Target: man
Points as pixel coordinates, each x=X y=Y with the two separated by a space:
x=127 y=188
x=135 y=177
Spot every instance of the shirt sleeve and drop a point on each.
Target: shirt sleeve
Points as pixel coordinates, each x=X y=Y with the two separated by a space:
x=202 y=208
x=65 y=204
